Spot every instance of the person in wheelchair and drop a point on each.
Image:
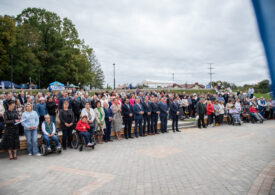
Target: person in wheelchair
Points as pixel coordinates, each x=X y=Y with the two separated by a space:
x=49 y=130
x=254 y=113
x=234 y=112
x=83 y=127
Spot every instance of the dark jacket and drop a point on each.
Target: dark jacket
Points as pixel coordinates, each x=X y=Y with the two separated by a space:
x=147 y=108
x=125 y=110
x=108 y=113
x=136 y=109
x=66 y=116
x=174 y=108
x=201 y=108
x=76 y=107
x=154 y=107
x=51 y=107
x=22 y=100
x=163 y=108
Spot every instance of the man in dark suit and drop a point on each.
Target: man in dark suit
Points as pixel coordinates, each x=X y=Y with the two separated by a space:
x=138 y=113
x=127 y=113
x=163 y=114
x=22 y=98
x=154 y=115
x=175 y=111
x=201 y=110
x=76 y=107
x=108 y=121
x=147 y=116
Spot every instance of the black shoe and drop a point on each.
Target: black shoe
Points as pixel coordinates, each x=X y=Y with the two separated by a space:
x=64 y=148
x=205 y=127
x=174 y=131
x=199 y=127
x=131 y=137
x=126 y=137
x=178 y=130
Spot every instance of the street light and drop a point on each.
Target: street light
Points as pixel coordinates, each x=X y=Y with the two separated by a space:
x=114 y=75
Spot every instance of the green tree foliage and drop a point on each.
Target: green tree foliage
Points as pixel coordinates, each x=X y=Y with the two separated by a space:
x=45 y=45
x=7 y=41
x=262 y=87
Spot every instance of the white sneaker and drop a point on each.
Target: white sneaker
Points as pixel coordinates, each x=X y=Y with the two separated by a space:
x=30 y=154
x=49 y=149
x=89 y=144
x=38 y=154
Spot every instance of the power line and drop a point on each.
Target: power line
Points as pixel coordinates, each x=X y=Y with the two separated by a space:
x=211 y=73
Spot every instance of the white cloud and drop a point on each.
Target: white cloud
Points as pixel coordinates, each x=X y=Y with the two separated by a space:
x=152 y=39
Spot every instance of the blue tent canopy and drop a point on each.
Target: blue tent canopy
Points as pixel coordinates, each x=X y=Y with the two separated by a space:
x=56 y=83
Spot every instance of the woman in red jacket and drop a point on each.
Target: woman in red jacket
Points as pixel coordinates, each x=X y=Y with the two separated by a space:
x=83 y=126
x=255 y=113
x=210 y=113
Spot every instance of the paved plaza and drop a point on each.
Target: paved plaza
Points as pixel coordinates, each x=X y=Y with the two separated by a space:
x=221 y=160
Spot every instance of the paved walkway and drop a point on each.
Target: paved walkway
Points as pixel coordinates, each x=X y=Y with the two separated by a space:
x=219 y=160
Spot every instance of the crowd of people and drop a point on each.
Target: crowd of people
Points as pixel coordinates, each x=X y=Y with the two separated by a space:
x=100 y=114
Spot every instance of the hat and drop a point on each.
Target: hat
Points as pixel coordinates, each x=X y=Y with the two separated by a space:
x=42 y=99
x=84 y=116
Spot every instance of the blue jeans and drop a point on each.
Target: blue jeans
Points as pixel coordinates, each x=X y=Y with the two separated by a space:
x=53 y=117
x=47 y=140
x=31 y=136
x=86 y=136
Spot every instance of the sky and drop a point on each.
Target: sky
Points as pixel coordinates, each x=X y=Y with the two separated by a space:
x=152 y=39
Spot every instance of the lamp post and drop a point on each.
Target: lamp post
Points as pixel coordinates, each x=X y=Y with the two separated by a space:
x=114 y=75
x=39 y=78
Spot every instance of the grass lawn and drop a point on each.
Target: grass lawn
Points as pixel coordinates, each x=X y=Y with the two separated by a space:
x=265 y=95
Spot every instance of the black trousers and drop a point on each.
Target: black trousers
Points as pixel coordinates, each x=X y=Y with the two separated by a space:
x=138 y=124
x=175 y=121
x=154 y=122
x=76 y=117
x=41 y=120
x=163 y=123
x=210 y=119
x=127 y=126
x=67 y=136
x=146 y=119
x=201 y=120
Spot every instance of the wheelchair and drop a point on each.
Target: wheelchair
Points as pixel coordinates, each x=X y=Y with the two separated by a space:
x=78 y=141
x=232 y=120
x=44 y=149
x=254 y=119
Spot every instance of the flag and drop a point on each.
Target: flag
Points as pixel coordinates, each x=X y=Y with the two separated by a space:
x=265 y=14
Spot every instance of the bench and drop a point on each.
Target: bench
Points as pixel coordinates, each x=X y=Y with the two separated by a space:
x=23 y=141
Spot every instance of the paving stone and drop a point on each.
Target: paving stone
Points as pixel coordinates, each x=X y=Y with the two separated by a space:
x=219 y=160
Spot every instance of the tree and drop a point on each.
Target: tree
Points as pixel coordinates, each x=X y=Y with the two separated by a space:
x=7 y=42
x=46 y=48
x=262 y=87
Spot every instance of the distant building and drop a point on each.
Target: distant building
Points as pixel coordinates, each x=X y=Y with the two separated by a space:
x=192 y=86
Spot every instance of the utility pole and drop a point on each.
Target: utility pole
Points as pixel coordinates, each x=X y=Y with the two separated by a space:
x=211 y=73
x=114 y=75
x=173 y=74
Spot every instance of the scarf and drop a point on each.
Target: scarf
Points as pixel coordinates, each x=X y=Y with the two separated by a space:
x=49 y=127
x=101 y=115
